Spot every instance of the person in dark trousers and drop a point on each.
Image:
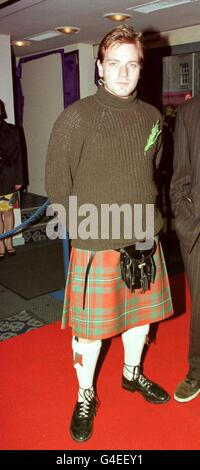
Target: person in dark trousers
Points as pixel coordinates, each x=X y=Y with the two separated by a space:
x=185 y=197
x=103 y=150
x=11 y=178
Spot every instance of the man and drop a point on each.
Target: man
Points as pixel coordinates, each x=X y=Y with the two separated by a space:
x=185 y=197
x=102 y=150
x=11 y=178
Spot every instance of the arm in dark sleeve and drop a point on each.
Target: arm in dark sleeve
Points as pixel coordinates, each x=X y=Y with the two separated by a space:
x=63 y=155
x=187 y=227
x=159 y=141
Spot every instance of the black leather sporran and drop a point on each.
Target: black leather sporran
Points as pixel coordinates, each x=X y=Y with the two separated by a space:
x=138 y=267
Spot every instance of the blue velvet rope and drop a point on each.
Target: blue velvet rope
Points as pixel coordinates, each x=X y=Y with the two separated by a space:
x=20 y=227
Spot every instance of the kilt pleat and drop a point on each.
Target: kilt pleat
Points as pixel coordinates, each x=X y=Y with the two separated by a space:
x=110 y=308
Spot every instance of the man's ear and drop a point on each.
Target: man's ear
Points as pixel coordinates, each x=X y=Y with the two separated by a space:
x=100 y=68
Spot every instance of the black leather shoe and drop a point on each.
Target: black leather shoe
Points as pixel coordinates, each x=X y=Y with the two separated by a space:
x=81 y=427
x=151 y=391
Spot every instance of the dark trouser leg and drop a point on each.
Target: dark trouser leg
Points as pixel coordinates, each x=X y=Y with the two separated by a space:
x=192 y=268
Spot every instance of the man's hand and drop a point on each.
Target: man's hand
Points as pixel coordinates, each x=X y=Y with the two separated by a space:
x=18 y=186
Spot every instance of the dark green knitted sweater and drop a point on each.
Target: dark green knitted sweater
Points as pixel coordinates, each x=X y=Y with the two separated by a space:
x=97 y=153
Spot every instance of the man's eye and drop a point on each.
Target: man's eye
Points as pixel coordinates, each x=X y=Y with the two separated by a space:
x=113 y=64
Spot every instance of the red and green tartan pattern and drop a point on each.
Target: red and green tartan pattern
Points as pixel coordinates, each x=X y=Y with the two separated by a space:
x=110 y=308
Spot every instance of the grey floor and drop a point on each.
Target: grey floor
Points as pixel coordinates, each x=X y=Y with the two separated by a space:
x=45 y=307
x=18 y=315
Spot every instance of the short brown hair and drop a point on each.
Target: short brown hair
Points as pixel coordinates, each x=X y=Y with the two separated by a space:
x=121 y=35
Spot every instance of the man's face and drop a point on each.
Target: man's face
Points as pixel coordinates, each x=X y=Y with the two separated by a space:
x=120 y=69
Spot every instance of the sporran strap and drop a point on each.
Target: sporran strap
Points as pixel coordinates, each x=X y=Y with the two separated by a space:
x=86 y=276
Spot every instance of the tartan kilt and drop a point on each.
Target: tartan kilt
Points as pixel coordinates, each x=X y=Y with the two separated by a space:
x=110 y=308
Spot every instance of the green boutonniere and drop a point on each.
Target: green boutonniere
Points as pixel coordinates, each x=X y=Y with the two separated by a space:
x=154 y=134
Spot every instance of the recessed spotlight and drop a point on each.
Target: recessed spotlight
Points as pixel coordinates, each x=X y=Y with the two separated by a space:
x=117 y=16
x=67 y=29
x=43 y=36
x=21 y=43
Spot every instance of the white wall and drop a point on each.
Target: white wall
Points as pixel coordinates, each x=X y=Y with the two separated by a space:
x=86 y=68
x=6 y=83
x=43 y=102
x=177 y=37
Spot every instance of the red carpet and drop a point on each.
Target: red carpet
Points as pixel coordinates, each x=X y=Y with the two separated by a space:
x=38 y=387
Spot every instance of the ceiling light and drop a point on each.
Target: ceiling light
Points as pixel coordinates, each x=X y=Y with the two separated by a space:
x=67 y=29
x=117 y=16
x=21 y=43
x=43 y=36
x=157 y=5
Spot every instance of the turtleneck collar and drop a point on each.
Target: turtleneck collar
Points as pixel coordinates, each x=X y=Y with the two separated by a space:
x=108 y=99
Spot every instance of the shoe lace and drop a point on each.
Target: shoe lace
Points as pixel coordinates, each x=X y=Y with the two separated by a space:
x=138 y=376
x=141 y=378
x=144 y=381
x=89 y=404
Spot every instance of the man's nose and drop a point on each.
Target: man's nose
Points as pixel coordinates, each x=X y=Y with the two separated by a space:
x=124 y=70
